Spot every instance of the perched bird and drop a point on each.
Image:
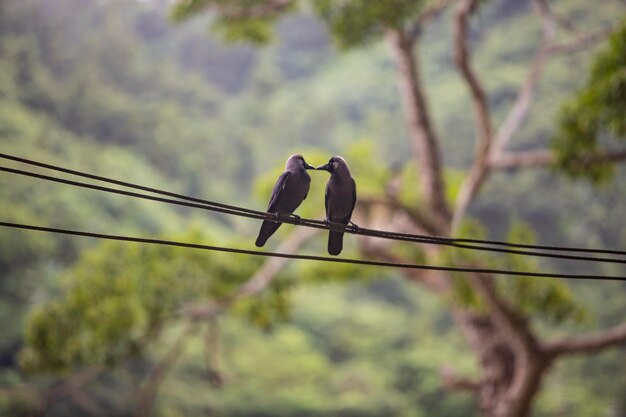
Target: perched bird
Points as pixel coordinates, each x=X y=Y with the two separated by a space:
x=340 y=199
x=290 y=190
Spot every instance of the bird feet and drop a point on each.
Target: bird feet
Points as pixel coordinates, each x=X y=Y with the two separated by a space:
x=295 y=219
x=329 y=224
x=353 y=227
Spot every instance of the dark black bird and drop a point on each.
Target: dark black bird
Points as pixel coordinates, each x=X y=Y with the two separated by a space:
x=340 y=199
x=290 y=190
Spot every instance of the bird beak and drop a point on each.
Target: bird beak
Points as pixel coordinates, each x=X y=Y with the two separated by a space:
x=323 y=167
x=308 y=166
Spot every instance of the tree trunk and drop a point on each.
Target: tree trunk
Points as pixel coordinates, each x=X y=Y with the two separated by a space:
x=510 y=373
x=512 y=360
x=511 y=363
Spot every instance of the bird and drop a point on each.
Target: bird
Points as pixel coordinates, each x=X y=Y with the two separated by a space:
x=289 y=192
x=340 y=199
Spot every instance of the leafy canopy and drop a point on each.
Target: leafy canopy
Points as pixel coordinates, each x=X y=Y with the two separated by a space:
x=118 y=297
x=351 y=22
x=596 y=115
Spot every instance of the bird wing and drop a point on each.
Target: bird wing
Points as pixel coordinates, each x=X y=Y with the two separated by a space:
x=353 y=198
x=326 y=200
x=280 y=185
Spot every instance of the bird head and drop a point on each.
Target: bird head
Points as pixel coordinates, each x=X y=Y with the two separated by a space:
x=335 y=164
x=297 y=161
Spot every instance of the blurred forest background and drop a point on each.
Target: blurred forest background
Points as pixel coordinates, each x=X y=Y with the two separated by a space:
x=115 y=88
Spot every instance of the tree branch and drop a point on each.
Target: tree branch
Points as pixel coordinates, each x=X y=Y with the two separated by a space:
x=431 y=12
x=509 y=321
x=39 y=399
x=522 y=159
x=519 y=110
x=544 y=157
x=84 y=401
x=72 y=384
x=423 y=140
x=580 y=43
x=432 y=280
x=452 y=381
x=462 y=59
x=424 y=224
x=484 y=129
x=147 y=393
x=212 y=351
x=587 y=343
x=489 y=153
x=257 y=283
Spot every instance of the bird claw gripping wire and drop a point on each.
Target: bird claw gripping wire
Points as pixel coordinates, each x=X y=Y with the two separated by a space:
x=340 y=227
x=353 y=227
x=296 y=219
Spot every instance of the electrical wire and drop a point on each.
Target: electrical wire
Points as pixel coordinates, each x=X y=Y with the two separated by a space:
x=321 y=225
x=292 y=219
x=310 y=257
x=476 y=244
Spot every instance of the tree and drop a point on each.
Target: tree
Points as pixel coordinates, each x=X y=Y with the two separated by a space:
x=512 y=356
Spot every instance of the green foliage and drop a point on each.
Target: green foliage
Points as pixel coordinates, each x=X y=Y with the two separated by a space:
x=232 y=21
x=595 y=115
x=454 y=179
x=352 y=23
x=463 y=293
x=551 y=299
x=270 y=308
x=571 y=396
x=363 y=157
x=184 y=10
x=236 y=30
x=327 y=272
x=358 y=22
x=118 y=296
x=365 y=349
x=409 y=191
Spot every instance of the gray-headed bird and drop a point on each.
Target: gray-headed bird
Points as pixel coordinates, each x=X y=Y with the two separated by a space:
x=340 y=199
x=289 y=191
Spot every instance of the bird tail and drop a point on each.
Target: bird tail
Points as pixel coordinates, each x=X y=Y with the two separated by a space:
x=335 y=243
x=267 y=229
